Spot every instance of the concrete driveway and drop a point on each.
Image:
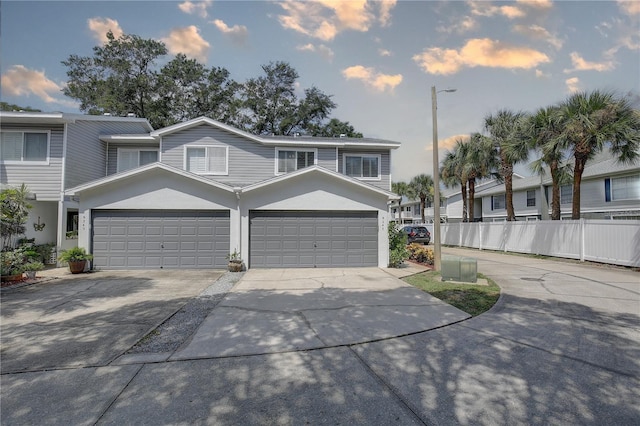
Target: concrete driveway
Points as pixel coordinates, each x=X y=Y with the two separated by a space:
x=561 y=347
x=89 y=319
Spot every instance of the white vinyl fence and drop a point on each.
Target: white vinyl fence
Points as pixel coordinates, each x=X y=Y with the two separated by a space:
x=607 y=241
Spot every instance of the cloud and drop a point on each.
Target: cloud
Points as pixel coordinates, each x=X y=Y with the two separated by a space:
x=370 y=77
x=459 y=26
x=629 y=7
x=539 y=33
x=537 y=4
x=321 y=49
x=573 y=84
x=384 y=52
x=324 y=19
x=450 y=142
x=580 y=64
x=238 y=33
x=100 y=26
x=483 y=8
x=187 y=40
x=22 y=81
x=195 y=8
x=478 y=52
x=542 y=74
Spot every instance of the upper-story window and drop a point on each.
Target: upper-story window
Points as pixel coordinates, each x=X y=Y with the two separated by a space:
x=498 y=202
x=131 y=158
x=531 y=198
x=290 y=160
x=625 y=188
x=362 y=166
x=207 y=160
x=25 y=146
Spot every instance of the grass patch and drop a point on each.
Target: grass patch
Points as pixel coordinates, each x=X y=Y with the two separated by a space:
x=470 y=298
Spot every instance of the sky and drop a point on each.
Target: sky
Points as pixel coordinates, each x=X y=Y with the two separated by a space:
x=378 y=59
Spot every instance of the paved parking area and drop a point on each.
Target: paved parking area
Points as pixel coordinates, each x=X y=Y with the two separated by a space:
x=89 y=319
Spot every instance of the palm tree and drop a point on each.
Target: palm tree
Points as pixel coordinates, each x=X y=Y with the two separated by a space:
x=479 y=163
x=452 y=172
x=506 y=130
x=422 y=187
x=401 y=189
x=545 y=129
x=593 y=121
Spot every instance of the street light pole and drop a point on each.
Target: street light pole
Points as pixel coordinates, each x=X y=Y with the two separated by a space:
x=436 y=178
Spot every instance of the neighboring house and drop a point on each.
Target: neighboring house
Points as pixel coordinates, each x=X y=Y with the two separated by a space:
x=608 y=190
x=450 y=206
x=50 y=152
x=190 y=194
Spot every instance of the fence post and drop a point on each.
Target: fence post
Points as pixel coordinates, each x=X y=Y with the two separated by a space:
x=582 y=242
x=504 y=234
x=480 y=235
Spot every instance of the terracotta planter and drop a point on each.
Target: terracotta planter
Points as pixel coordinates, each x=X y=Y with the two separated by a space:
x=77 y=267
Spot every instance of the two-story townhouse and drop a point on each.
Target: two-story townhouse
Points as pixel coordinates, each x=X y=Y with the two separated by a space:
x=51 y=152
x=609 y=190
x=278 y=201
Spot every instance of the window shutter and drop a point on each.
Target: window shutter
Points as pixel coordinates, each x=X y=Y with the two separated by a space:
x=607 y=190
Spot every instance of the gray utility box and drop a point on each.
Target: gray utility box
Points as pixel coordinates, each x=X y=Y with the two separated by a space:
x=457 y=268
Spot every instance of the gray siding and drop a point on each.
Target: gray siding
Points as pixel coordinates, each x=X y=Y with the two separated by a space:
x=249 y=162
x=43 y=180
x=86 y=153
x=385 y=165
x=327 y=158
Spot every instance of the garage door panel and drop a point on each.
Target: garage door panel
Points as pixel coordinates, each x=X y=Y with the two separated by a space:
x=128 y=239
x=323 y=239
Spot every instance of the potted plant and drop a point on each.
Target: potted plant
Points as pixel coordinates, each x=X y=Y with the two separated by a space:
x=77 y=258
x=12 y=264
x=31 y=268
x=235 y=262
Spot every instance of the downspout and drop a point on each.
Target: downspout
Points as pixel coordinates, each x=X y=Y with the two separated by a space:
x=63 y=172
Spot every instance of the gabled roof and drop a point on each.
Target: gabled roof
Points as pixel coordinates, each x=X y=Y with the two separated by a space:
x=141 y=171
x=278 y=140
x=318 y=170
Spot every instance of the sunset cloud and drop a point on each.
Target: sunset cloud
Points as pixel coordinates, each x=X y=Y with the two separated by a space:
x=22 y=81
x=324 y=19
x=195 y=8
x=459 y=25
x=629 y=7
x=321 y=49
x=370 y=77
x=450 y=142
x=384 y=52
x=187 y=40
x=537 y=32
x=478 y=53
x=101 y=26
x=238 y=33
x=580 y=64
x=484 y=8
x=573 y=84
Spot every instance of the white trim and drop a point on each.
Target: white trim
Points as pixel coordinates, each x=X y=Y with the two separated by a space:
x=29 y=162
x=278 y=149
x=362 y=155
x=206 y=154
x=317 y=169
x=138 y=150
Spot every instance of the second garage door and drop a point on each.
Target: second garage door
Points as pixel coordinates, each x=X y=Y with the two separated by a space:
x=130 y=239
x=313 y=239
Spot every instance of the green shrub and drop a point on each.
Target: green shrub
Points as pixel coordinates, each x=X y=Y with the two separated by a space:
x=75 y=254
x=397 y=247
x=12 y=261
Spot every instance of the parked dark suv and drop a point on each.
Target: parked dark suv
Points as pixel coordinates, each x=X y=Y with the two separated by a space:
x=417 y=234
